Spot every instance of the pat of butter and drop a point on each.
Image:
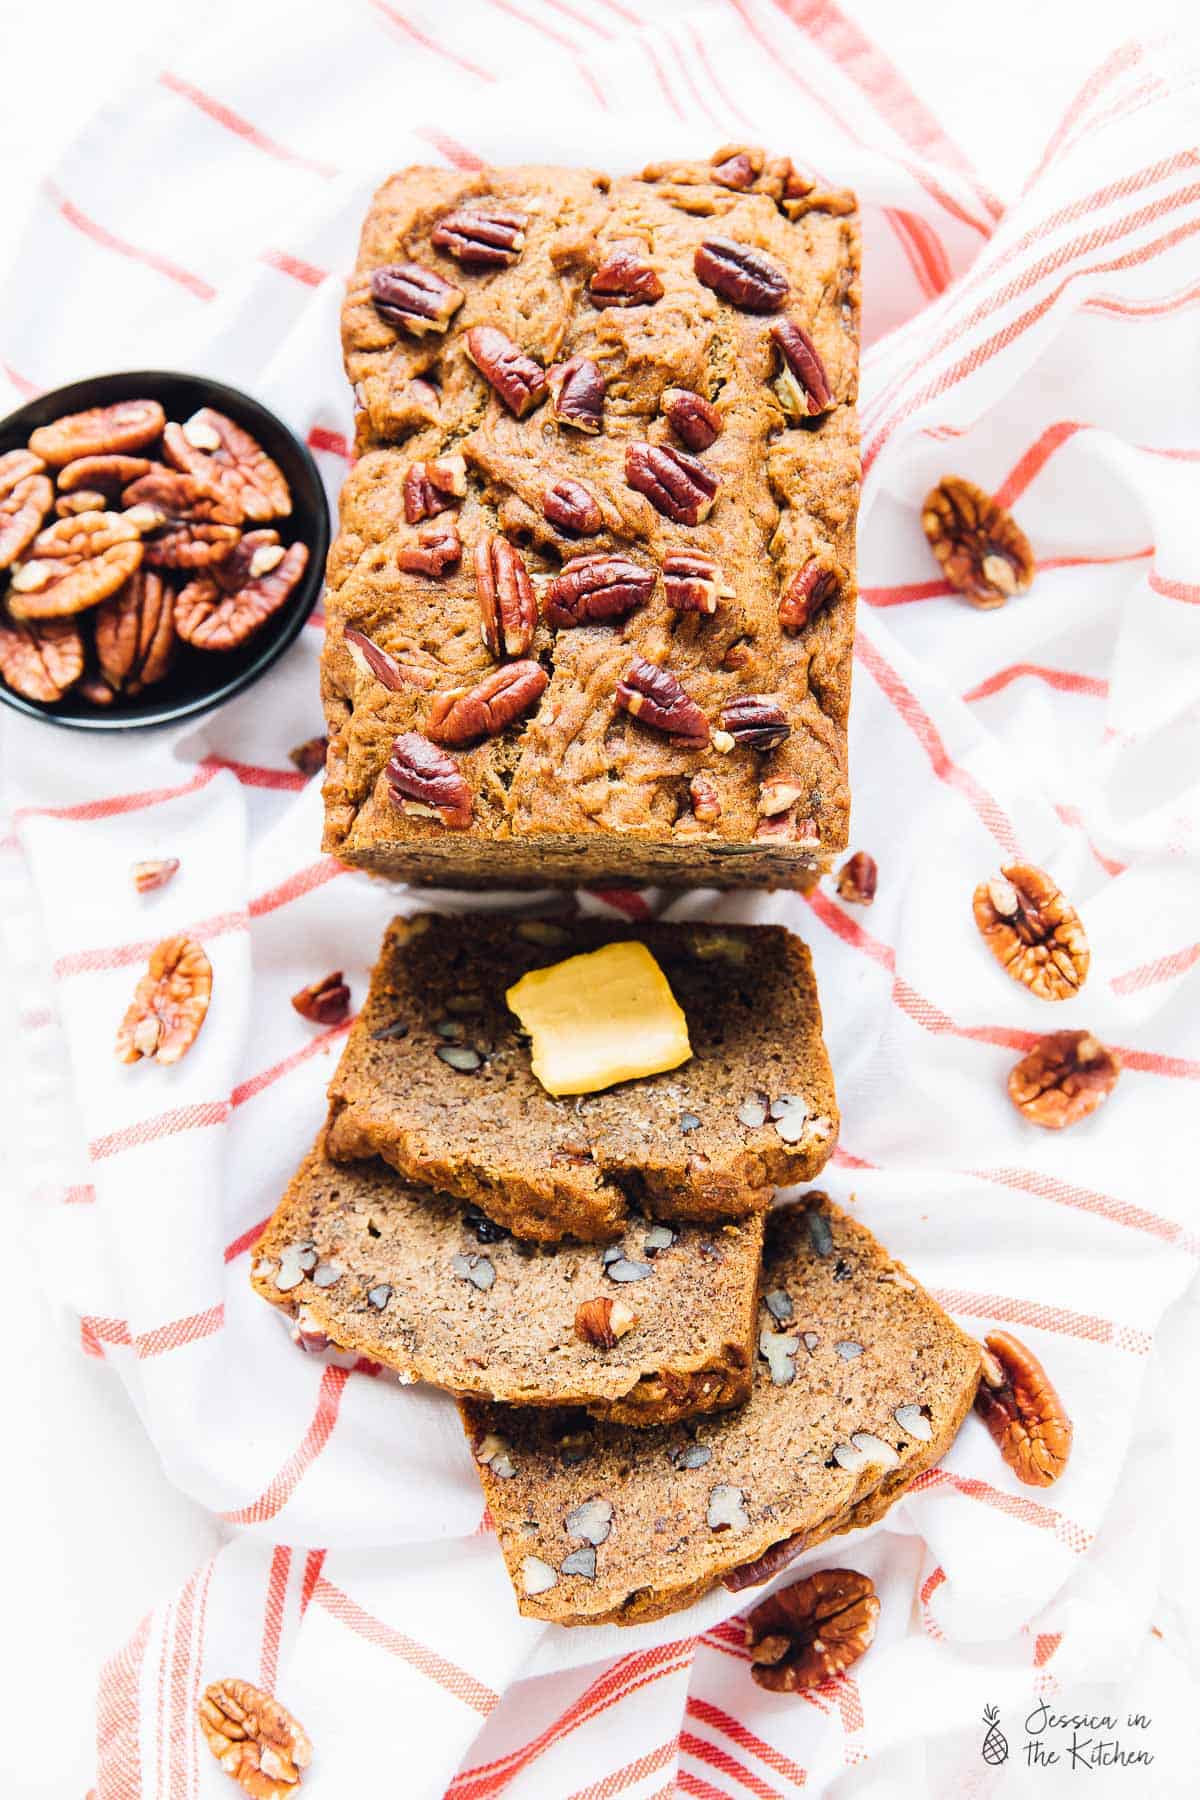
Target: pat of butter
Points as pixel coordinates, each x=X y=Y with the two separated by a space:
x=597 y=1019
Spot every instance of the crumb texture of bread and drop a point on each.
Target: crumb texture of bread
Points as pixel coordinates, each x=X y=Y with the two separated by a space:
x=576 y=789
x=436 y=1078
x=413 y=1281
x=867 y=1389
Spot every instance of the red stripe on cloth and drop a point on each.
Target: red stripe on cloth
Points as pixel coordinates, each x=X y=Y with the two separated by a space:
x=314 y=1562
x=409 y=30
x=333 y=444
x=1071 y=815
x=929 y=1588
x=246 y=1241
x=1187 y=591
x=294 y=266
x=717 y=1758
x=1105 y=1206
x=179 y=1332
x=624 y=1677
x=107 y=240
x=1015 y=1506
x=456 y=154
x=1163 y=968
x=118 y=1716
x=246 y=1090
x=1035 y=460
x=282 y=1486
x=1126 y=57
x=924 y=249
x=21 y=382
x=1064 y=680
x=256 y=776
x=534 y=24
x=722 y=93
x=116 y=804
x=926 y=733
x=1008 y=334
x=119 y=956
x=579 y=18
x=984 y=279
x=277 y=1580
x=620 y=1779
x=625 y=900
x=1141 y=309
x=849 y=1700
x=697 y=1788
x=82 y=1195
x=234 y=122
x=660 y=75
x=168 y=1124
x=906 y=593
x=699 y=97
x=931 y=1018
x=297 y=885
x=874 y=75
x=418 y=1656
x=588 y=77
x=719 y=1720
x=923 y=177
x=178 y=1732
x=1045 y=1318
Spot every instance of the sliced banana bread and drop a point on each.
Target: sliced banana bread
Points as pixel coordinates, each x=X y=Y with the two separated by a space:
x=860 y=1383
x=657 y=1327
x=437 y=1078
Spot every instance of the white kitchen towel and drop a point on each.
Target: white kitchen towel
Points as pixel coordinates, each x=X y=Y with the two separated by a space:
x=206 y=219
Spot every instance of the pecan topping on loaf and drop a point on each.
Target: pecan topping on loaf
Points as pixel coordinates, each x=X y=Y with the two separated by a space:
x=757 y=721
x=436 y=549
x=694 y=583
x=414 y=298
x=507 y=606
x=801 y=386
x=740 y=274
x=625 y=278
x=570 y=506
x=805 y=595
x=490 y=236
x=676 y=484
x=430 y=487
x=519 y=381
x=591 y=588
x=737 y=169
x=427 y=783
x=462 y=715
x=657 y=698
x=695 y=419
x=577 y=394
x=369 y=659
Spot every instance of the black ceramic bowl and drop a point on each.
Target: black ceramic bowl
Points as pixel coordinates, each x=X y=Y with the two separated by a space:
x=200 y=679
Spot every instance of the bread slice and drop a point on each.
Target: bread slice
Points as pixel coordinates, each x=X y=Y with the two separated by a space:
x=413 y=1281
x=698 y=1142
x=598 y=1524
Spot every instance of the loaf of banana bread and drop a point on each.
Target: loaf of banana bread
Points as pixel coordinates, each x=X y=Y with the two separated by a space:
x=861 y=1382
x=657 y=1327
x=591 y=607
x=438 y=1079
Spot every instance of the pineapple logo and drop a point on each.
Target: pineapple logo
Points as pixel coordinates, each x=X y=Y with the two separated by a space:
x=995 y=1744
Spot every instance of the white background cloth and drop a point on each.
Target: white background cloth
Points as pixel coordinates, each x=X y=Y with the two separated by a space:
x=1094 y=776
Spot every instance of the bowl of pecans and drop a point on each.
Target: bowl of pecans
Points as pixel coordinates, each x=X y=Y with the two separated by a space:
x=162 y=542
